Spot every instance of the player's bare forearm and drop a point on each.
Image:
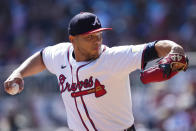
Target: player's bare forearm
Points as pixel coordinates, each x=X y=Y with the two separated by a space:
x=164 y=47
x=173 y=60
x=31 y=66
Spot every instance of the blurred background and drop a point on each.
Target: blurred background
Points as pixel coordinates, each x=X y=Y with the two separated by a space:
x=27 y=26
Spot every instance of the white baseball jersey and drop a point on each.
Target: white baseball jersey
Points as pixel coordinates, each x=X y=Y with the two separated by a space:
x=96 y=93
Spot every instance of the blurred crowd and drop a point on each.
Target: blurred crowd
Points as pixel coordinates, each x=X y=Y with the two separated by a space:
x=166 y=106
x=27 y=26
x=38 y=108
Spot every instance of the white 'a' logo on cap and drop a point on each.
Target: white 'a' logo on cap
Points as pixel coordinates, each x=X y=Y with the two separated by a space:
x=96 y=21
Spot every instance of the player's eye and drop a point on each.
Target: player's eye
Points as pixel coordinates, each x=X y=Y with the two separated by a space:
x=89 y=37
x=94 y=37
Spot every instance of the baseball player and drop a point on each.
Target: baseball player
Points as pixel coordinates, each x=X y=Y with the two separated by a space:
x=94 y=79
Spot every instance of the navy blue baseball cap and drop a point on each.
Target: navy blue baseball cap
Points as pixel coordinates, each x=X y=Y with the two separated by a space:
x=85 y=23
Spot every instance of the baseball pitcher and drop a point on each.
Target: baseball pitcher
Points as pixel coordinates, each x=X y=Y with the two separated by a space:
x=94 y=79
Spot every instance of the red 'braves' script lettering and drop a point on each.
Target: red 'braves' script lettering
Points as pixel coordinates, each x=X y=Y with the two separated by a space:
x=98 y=90
x=87 y=83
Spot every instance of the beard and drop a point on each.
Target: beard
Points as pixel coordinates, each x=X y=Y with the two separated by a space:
x=89 y=55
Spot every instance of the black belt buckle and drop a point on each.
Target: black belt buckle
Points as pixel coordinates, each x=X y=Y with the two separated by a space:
x=132 y=128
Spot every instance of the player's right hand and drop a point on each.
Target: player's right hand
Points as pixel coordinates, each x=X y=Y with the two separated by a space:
x=8 y=84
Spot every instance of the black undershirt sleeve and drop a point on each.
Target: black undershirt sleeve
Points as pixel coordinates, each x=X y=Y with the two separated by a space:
x=149 y=54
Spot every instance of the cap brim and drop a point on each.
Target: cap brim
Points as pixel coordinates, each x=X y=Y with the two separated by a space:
x=96 y=30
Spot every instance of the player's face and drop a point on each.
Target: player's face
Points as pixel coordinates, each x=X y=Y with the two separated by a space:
x=87 y=47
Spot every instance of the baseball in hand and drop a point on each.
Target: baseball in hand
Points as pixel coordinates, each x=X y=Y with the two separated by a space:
x=15 y=89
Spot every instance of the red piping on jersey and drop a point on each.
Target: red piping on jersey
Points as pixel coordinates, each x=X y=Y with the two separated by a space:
x=69 y=62
x=80 y=115
x=83 y=99
x=80 y=89
x=104 y=49
x=74 y=97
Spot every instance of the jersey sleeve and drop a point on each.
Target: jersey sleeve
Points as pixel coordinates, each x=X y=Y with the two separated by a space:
x=54 y=56
x=48 y=58
x=136 y=56
x=127 y=58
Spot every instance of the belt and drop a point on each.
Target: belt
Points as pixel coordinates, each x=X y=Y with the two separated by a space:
x=131 y=128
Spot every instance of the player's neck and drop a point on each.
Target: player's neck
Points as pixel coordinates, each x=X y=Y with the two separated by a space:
x=79 y=57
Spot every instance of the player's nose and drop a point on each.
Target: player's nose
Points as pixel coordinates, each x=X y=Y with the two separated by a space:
x=98 y=40
x=98 y=43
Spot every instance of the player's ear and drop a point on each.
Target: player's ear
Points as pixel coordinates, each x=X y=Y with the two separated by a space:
x=71 y=38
